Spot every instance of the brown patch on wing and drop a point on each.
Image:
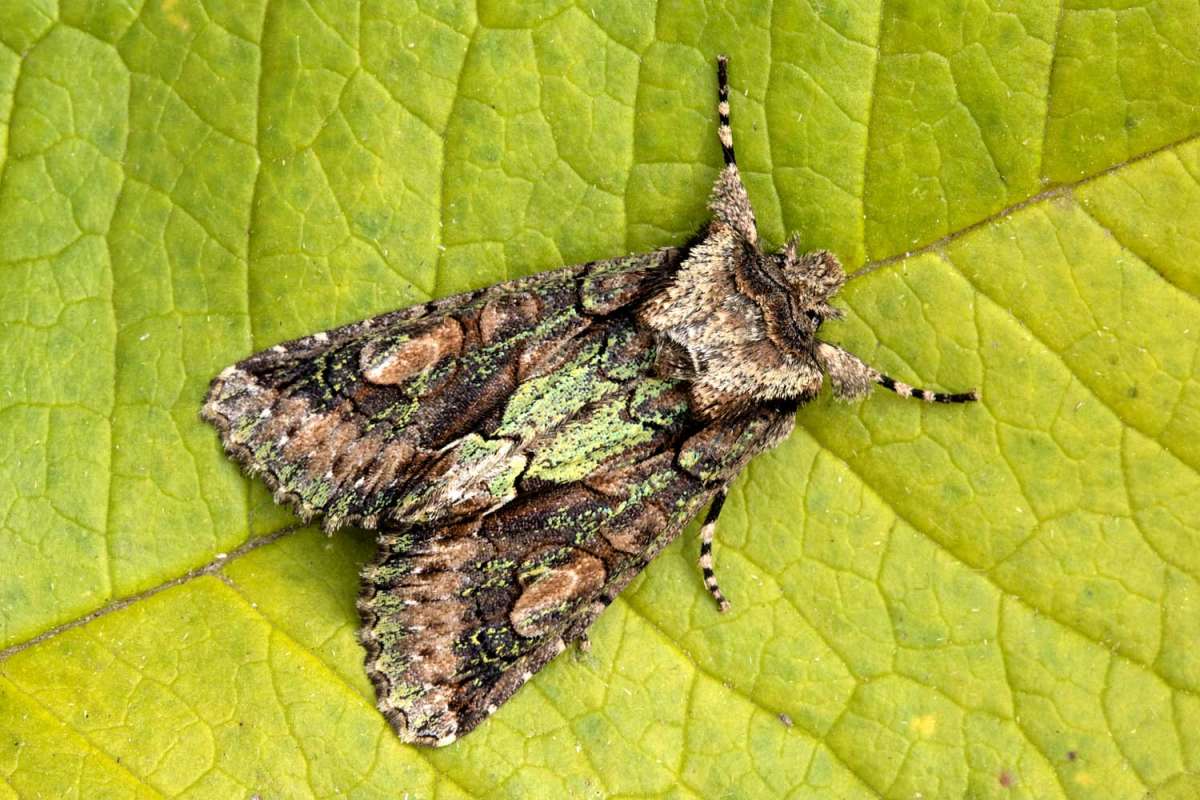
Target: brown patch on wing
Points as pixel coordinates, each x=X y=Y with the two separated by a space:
x=635 y=534
x=553 y=594
x=543 y=357
x=312 y=434
x=399 y=362
x=616 y=283
x=289 y=414
x=506 y=315
x=391 y=461
x=337 y=440
x=355 y=458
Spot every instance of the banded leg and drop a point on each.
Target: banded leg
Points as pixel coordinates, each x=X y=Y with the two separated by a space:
x=706 y=558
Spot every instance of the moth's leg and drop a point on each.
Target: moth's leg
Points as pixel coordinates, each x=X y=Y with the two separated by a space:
x=852 y=377
x=729 y=202
x=706 y=542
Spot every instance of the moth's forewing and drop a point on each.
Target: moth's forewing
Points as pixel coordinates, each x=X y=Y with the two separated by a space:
x=357 y=425
x=457 y=617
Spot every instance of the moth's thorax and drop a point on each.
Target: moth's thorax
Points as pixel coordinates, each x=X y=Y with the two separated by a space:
x=740 y=324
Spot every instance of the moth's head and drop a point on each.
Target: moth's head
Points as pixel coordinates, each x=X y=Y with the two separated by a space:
x=814 y=278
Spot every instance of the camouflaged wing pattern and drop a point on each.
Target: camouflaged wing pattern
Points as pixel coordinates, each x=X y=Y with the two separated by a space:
x=518 y=452
x=428 y=414
x=526 y=449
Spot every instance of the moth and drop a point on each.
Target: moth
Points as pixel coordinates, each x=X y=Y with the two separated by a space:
x=524 y=450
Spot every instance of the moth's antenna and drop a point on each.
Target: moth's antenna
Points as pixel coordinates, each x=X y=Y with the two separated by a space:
x=724 y=131
x=904 y=390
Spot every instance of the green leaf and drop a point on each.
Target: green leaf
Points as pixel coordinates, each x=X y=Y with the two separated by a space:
x=999 y=600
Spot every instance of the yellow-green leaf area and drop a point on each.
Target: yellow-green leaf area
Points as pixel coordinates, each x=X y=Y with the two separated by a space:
x=991 y=601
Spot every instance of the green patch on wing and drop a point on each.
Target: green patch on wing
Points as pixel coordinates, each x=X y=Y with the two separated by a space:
x=542 y=403
x=582 y=445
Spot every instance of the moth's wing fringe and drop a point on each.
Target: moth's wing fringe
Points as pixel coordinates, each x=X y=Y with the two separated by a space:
x=244 y=458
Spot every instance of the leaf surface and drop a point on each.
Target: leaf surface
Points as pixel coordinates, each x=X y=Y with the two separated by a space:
x=999 y=600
